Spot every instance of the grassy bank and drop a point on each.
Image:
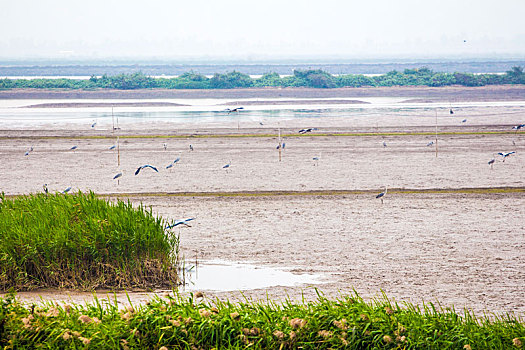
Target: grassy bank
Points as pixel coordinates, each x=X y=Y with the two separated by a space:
x=81 y=241
x=192 y=323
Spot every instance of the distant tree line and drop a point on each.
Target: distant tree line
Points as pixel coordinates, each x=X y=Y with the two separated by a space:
x=300 y=78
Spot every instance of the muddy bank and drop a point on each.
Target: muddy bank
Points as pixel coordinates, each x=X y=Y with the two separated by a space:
x=449 y=93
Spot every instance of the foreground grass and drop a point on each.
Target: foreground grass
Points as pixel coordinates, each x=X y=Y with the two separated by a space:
x=192 y=323
x=81 y=241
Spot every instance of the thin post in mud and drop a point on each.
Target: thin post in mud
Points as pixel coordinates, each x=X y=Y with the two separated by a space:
x=280 y=144
x=436 y=133
x=113 y=120
x=118 y=157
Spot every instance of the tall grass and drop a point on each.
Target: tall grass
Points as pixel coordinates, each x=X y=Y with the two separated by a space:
x=192 y=323
x=81 y=241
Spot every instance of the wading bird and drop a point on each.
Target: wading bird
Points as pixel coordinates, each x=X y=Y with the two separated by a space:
x=191 y=148
x=165 y=145
x=505 y=155
x=93 y=125
x=145 y=166
x=491 y=162
x=284 y=145
x=117 y=176
x=430 y=143
x=464 y=121
x=382 y=194
x=236 y=109
x=180 y=222
x=451 y=111
x=316 y=160
x=66 y=190
x=227 y=165
x=113 y=147
x=517 y=127
x=384 y=144
x=73 y=148
x=44 y=186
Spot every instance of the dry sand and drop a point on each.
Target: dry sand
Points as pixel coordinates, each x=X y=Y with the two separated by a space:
x=460 y=248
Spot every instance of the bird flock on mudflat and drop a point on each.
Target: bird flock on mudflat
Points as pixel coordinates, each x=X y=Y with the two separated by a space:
x=280 y=146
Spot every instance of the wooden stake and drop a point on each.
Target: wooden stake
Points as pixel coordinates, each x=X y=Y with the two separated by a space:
x=280 y=144
x=436 y=133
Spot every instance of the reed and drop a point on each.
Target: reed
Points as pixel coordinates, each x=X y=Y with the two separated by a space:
x=81 y=241
x=178 y=322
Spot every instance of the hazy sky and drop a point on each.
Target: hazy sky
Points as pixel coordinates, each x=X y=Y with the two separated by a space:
x=258 y=29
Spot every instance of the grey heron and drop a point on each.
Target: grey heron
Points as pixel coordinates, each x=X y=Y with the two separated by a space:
x=517 y=127
x=384 y=143
x=382 y=194
x=180 y=222
x=236 y=109
x=165 y=145
x=304 y=131
x=117 y=176
x=145 y=166
x=191 y=148
x=491 y=162
x=505 y=155
x=430 y=143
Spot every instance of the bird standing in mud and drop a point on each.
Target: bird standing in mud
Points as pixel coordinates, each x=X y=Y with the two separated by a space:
x=382 y=194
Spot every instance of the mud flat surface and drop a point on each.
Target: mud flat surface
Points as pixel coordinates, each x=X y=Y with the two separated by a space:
x=463 y=247
x=449 y=93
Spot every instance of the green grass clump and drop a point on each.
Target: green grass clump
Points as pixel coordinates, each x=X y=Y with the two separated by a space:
x=192 y=323
x=81 y=241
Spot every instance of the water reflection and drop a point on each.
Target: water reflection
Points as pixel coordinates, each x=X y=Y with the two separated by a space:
x=223 y=276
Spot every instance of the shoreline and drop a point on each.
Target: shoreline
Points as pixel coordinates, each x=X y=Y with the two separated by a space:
x=448 y=93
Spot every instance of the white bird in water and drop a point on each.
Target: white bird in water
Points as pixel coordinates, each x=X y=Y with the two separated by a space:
x=180 y=222
x=145 y=166
x=382 y=194
x=66 y=190
x=117 y=176
x=505 y=155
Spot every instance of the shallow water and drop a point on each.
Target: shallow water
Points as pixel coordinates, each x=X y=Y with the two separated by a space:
x=224 y=276
x=15 y=115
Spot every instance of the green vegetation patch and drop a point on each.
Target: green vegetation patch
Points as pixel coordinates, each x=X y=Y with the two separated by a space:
x=193 y=323
x=81 y=241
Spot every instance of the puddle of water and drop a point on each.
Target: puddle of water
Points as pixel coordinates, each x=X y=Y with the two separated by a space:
x=224 y=276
